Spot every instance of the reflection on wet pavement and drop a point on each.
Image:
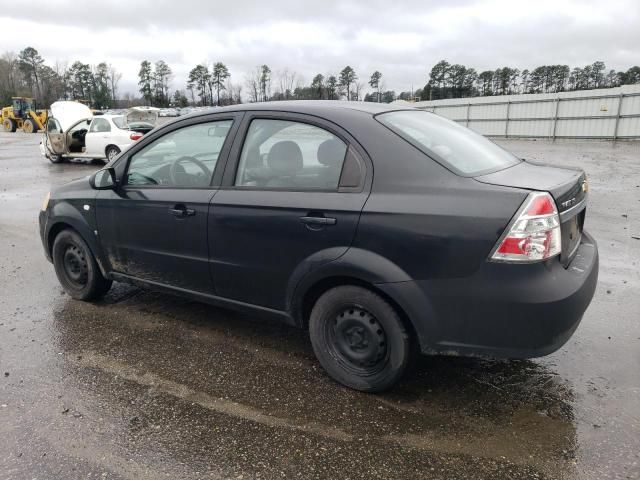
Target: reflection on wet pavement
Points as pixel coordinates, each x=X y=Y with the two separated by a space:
x=182 y=373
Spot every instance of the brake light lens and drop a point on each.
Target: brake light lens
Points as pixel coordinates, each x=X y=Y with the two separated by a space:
x=534 y=233
x=135 y=136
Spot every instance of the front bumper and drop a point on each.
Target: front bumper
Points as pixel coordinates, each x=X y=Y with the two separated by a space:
x=503 y=310
x=43 y=218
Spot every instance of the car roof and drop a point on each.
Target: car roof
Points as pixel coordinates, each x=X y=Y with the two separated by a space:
x=318 y=107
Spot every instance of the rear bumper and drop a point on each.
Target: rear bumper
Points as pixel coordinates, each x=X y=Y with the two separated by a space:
x=503 y=310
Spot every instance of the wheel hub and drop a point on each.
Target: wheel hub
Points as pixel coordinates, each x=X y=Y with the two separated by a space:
x=359 y=338
x=75 y=265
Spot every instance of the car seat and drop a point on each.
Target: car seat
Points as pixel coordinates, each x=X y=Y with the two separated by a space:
x=285 y=162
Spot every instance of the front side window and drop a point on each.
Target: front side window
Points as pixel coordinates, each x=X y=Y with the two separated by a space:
x=83 y=125
x=183 y=158
x=99 y=125
x=463 y=150
x=282 y=154
x=53 y=126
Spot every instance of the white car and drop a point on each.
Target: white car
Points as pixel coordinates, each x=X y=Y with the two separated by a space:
x=72 y=131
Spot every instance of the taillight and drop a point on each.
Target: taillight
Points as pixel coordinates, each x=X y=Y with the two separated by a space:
x=533 y=234
x=135 y=136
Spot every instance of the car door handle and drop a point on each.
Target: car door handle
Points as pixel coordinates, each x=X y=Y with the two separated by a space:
x=182 y=211
x=318 y=220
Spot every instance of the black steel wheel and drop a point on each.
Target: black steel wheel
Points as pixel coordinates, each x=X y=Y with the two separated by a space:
x=76 y=267
x=359 y=338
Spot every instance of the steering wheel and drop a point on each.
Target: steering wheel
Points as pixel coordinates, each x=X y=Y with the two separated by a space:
x=173 y=170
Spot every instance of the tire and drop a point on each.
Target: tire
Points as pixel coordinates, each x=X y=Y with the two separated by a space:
x=56 y=158
x=359 y=339
x=111 y=151
x=29 y=126
x=9 y=125
x=76 y=267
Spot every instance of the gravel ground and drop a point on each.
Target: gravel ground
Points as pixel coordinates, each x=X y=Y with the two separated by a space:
x=148 y=386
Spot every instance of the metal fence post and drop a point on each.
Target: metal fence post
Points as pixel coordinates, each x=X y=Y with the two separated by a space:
x=555 y=118
x=506 y=123
x=615 y=130
x=468 y=108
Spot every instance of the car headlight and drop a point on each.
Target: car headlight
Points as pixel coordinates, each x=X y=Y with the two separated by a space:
x=45 y=202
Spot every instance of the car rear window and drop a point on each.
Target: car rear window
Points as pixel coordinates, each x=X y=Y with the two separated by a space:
x=460 y=149
x=120 y=122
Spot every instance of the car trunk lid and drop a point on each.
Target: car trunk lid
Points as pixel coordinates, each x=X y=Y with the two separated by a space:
x=568 y=188
x=142 y=114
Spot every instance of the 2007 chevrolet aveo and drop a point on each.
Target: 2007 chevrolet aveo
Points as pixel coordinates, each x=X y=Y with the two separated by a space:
x=376 y=227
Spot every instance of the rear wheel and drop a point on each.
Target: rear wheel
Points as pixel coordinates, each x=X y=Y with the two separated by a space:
x=359 y=338
x=111 y=152
x=9 y=125
x=29 y=126
x=76 y=267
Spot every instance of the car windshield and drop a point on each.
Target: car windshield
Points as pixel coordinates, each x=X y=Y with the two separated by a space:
x=456 y=147
x=120 y=122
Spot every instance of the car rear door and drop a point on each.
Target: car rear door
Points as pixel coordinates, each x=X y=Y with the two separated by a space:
x=292 y=194
x=154 y=226
x=97 y=137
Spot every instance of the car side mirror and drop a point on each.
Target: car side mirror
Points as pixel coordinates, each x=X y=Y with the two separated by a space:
x=104 y=179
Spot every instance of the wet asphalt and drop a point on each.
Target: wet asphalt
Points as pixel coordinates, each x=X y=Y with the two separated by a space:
x=147 y=386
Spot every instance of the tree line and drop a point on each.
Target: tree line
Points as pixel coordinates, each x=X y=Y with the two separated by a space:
x=26 y=74
x=208 y=84
x=457 y=81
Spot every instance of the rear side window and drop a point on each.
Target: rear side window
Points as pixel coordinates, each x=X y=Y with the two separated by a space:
x=459 y=148
x=282 y=154
x=100 y=125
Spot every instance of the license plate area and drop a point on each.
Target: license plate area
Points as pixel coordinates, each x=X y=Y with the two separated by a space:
x=571 y=230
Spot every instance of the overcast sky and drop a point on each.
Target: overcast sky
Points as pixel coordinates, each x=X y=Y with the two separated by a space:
x=402 y=39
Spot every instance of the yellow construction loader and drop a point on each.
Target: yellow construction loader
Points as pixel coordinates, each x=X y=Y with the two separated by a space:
x=22 y=115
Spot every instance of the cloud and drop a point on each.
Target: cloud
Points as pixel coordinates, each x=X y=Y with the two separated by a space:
x=402 y=39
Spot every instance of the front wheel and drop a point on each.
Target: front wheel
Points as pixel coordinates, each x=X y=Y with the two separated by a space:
x=111 y=152
x=29 y=126
x=359 y=338
x=76 y=267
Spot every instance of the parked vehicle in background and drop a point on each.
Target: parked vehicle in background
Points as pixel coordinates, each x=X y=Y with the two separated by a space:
x=73 y=131
x=169 y=112
x=376 y=227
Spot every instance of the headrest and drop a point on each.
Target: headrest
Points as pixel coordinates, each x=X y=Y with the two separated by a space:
x=253 y=159
x=285 y=158
x=331 y=152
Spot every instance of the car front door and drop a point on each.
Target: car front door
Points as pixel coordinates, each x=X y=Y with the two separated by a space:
x=154 y=225
x=285 y=206
x=97 y=137
x=55 y=137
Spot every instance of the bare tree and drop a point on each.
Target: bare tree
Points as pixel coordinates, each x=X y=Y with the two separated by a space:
x=286 y=84
x=252 y=81
x=114 y=80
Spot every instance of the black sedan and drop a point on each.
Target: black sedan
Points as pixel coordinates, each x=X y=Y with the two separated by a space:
x=378 y=228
